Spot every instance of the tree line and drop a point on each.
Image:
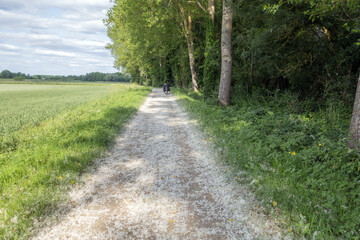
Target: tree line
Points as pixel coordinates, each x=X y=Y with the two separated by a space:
x=16 y=76
x=89 y=77
x=228 y=49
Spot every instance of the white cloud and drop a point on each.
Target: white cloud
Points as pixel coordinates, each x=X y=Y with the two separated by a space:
x=29 y=22
x=41 y=36
x=8 y=46
x=54 y=53
x=61 y=4
x=4 y=54
x=54 y=37
x=88 y=43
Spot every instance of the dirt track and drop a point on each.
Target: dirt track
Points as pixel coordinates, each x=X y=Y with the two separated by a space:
x=160 y=181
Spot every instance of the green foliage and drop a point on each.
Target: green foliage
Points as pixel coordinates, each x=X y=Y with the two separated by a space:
x=51 y=156
x=282 y=47
x=292 y=156
x=142 y=36
x=94 y=77
x=117 y=77
x=180 y=67
x=19 y=78
x=148 y=39
x=6 y=74
x=211 y=63
x=305 y=46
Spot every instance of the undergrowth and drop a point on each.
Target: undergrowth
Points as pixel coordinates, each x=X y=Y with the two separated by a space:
x=50 y=157
x=296 y=159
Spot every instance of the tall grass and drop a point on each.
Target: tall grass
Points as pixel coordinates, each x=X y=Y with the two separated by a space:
x=297 y=161
x=51 y=156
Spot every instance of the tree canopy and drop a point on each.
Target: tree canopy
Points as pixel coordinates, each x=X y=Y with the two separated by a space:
x=305 y=46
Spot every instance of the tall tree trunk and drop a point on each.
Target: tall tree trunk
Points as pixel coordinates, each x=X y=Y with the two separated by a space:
x=209 y=75
x=354 y=135
x=226 y=53
x=190 y=44
x=211 y=9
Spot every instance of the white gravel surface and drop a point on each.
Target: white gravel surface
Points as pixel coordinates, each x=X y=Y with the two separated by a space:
x=160 y=181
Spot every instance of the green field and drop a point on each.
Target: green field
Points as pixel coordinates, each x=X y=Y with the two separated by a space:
x=49 y=135
x=24 y=105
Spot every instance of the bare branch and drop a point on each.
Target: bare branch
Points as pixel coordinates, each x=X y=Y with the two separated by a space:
x=198 y=3
x=204 y=9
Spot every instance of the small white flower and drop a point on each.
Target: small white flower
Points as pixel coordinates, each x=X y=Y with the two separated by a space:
x=14 y=220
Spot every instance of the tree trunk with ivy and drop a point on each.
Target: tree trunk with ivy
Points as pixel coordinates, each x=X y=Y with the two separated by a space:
x=226 y=53
x=354 y=135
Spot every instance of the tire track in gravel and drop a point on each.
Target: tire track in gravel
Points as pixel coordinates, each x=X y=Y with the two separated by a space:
x=160 y=181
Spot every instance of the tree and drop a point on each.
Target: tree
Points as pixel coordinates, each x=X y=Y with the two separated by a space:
x=142 y=34
x=354 y=134
x=346 y=13
x=19 y=78
x=185 y=10
x=149 y=34
x=187 y=25
x=6 y=74
x=211 y=9
x=94 y=77
x=212 y=60
x=226 y=53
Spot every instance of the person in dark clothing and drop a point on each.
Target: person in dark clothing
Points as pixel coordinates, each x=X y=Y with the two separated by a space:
x=166 y=88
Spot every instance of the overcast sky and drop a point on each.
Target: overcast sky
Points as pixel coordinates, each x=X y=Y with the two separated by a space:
x=57 y=37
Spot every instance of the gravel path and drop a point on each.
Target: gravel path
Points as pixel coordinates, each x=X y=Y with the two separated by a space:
x=160 y=181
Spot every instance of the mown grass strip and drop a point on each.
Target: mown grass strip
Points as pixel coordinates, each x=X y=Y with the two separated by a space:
x=297 y=162
x=52 y=156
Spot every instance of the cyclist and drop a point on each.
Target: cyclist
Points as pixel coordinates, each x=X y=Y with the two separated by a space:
x=166 y=88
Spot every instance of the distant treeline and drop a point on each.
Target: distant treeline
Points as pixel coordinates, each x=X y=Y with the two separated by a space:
x=90 y=77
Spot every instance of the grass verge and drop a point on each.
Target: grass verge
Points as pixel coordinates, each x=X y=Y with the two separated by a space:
x=51 y=157
x=296 y=161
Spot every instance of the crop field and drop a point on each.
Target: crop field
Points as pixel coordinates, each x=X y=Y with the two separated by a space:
x=49 y=134
x=25 y=105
